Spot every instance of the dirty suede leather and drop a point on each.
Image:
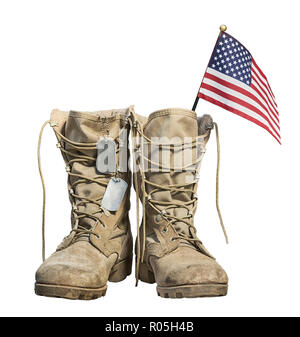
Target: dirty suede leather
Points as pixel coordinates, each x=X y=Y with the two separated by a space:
x=176 y=262
x=87 y=260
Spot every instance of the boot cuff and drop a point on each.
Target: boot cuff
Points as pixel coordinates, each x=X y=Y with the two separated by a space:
x=94 y=116
x=172 y=111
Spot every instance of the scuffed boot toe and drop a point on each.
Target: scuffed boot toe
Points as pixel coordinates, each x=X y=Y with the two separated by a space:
x=188 y=273
x=71 y=273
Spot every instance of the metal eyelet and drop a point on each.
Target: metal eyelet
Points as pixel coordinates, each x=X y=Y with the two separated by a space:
x=165 y=230
x=158 y=218
x=121 y=143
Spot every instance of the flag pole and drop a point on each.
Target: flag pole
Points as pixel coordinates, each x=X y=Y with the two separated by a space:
x=223 y=28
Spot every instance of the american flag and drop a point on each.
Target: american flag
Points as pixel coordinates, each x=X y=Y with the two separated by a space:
x=234 y=81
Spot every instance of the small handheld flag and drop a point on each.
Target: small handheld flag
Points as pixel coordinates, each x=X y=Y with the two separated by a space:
x=234 y=81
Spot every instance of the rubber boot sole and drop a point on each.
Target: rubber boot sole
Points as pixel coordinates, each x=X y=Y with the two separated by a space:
x=183 y=291
x=118 y=273
x=189 y=291
x=74 y=293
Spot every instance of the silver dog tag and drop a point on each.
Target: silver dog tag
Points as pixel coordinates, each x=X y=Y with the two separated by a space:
x=106 y=155
x=114 y=194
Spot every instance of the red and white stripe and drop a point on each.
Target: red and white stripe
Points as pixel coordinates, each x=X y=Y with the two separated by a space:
x=255 y=103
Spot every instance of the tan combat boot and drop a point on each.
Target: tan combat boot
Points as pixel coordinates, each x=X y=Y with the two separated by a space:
x=168 y=249
x=99 y=247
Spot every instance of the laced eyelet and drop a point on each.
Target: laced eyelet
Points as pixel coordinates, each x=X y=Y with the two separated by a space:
x=165 y=230
x=158 y=218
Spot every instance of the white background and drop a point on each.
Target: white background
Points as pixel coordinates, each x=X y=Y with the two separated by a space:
x=91 y=55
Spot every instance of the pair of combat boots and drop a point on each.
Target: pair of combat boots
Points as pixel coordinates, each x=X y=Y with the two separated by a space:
x=167 y=149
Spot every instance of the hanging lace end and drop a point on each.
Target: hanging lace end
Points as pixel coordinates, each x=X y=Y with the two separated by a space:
x=217 y=182
x=44 y=188
x=137 y=270
x=144 y=236
x=223 y=228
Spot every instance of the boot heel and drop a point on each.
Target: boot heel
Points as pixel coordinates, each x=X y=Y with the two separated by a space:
x=120 y=270
x=145 y=274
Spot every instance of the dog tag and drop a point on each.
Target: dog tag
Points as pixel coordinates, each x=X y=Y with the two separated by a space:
x=106 y=155
x=114 y=194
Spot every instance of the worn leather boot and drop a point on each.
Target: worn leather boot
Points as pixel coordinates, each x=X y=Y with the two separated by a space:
x=99 y=247
x=168 y=249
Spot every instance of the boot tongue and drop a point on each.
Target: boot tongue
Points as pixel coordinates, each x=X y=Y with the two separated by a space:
x=84 y=128
x=177 y=126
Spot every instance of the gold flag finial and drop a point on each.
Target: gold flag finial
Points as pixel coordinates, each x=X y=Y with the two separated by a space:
x=223 y=28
